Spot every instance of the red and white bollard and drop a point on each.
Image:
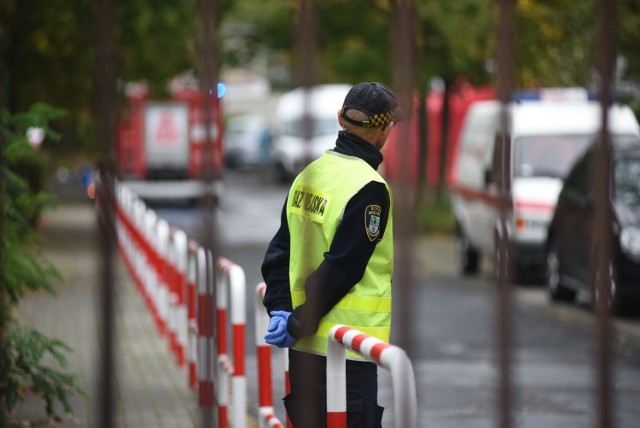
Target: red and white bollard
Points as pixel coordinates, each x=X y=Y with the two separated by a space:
x=231 y=278
x=171 y=281
x=178 y=310
x=151 y=277
x=124 y=229
x=141 y=263
x=266 y=415
x=287 y=385
x=381 y=353
x=192 y=324
x=161 y=242
x=122 y=233
x=205 y=328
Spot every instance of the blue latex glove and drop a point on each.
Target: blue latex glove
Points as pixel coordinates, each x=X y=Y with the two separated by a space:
x=277 y=333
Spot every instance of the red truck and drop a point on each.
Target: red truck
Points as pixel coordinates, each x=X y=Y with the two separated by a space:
x=161 y=145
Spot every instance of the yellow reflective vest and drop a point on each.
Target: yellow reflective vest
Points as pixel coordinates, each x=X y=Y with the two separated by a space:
x=317 y=200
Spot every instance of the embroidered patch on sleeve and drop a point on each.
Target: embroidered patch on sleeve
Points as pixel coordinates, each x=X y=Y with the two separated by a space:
x=372 y=221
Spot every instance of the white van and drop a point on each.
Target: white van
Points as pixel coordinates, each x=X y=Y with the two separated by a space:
x=546 y=137
x=290 y=151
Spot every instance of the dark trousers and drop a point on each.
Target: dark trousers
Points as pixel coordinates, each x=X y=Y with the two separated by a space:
x=306 y=404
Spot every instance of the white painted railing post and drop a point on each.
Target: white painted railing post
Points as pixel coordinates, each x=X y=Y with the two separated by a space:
x=205 y=329
x=231 y=282
x=266 y=415
x=382 y=354
x=192 y=323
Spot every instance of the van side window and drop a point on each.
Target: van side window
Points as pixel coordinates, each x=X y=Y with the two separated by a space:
x=627 y=180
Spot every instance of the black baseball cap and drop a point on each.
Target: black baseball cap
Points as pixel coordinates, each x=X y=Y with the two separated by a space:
x=374 y=99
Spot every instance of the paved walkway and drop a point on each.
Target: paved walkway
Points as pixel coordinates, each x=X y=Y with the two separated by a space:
x=151 y=390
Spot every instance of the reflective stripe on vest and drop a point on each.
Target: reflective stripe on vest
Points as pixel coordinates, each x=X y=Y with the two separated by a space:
x=315 y=206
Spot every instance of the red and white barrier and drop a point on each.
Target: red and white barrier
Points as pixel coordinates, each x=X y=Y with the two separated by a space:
x=266 y=414
x=140 y=265
x=178 y=258
x=176 y=277
x=131 y=213
x=287 y=385
x=205 y=328
x=230 y=278
x=381 y=353
x=125 y=231
x=192 y=324
x=171 y=279
x=160 y=241
x=153 y=275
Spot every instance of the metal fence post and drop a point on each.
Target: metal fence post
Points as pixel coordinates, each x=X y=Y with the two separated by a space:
x=503 y=252
x=602 y=216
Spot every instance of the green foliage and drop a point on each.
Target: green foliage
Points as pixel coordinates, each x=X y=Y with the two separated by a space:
x=436 y=218
x=23 y=352
x=628 y=36
x=456 y=38
x=635 y=106
x=363 y=50
x=24 y=172
x=48 y=50
x=47 y=55
x=261 y=30
x=554 y=43
x=353 y=42
x=27 y=273
x=156 y=41
x=27 y=349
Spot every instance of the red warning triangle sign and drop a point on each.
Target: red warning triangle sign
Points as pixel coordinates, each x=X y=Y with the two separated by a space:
x=167 y=131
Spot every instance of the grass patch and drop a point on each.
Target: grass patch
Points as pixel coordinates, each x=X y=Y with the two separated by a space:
x=435 y=218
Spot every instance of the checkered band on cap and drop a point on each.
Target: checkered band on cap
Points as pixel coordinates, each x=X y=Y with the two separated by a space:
x=380 y=119
x=374 y=121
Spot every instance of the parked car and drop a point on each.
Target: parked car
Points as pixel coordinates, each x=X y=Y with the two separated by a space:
x=290 y=150
x=247 y=141
x=545 y=137
x=570 y=246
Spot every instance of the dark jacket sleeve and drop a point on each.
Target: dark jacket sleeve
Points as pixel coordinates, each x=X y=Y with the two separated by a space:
x=345 y=262
x=275 y=269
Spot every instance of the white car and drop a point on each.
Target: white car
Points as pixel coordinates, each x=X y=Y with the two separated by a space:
x=290 y=151
x=246 y=141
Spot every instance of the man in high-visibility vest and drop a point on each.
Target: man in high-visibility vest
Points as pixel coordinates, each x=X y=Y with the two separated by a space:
x=331 y=261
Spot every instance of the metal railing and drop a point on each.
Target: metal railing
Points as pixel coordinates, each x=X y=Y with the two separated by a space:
x=390 y=357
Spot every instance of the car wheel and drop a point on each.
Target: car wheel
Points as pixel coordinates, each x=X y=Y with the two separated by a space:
x=553 y=274
x=468 y=257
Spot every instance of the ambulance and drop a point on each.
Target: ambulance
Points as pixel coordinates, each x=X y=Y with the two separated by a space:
x=546 y=132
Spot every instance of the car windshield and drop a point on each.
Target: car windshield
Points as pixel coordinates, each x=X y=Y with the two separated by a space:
x=320 y=127
x=548 y=155
x=627 y=181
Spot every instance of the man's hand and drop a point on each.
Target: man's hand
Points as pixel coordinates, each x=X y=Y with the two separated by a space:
x=277 y=333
